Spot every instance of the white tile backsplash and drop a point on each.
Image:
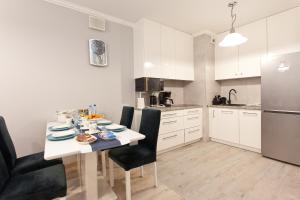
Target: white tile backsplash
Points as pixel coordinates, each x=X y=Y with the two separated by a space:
x=176 y=87
x=248 y=90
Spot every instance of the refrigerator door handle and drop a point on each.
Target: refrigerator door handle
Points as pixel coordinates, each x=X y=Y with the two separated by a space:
x=283 y=111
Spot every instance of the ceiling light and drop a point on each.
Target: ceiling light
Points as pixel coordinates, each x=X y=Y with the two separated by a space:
x=233 y=38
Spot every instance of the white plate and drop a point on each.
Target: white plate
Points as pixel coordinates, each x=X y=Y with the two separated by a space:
x=104 y=121
x=63 y=133
x=88 y=142
x=114 y=127
x=62 y=126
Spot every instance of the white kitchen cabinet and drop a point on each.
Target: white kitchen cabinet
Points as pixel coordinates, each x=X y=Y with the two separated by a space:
x=214 y=118
x=147 y=49
x=162 y=52
x=192 y=120
x=184 y=59
x=244 y=60
x=226 y=60
x=254 y=50
x=168 y=37
x=177 y=127
x=250 y=128
x=239 y=128
x=284 y=32
x=192 y=134
x=224 y=124
x=171 y=124
x=169 y=140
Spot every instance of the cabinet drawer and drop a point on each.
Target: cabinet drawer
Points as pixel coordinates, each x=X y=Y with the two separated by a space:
x=191 y=134
x=169 y=114
x=193 y=111
x=171 y=124
x=169 y=140
x=192 y=120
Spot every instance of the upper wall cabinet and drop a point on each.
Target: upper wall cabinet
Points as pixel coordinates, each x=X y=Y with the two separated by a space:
x=284 y=32
x=245 y=60
x=252 y=52
x=162 y=52
x=184 y=56
x=226 y=60
x=147 y=51
x=168 y=36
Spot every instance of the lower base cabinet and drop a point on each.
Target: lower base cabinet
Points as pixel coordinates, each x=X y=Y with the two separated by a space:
x=241 y=128
x=176 y=127
x=250 y=128
x=192 y=134
x=168 y=140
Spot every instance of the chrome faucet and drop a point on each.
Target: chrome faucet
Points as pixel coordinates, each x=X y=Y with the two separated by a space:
x=229 y=99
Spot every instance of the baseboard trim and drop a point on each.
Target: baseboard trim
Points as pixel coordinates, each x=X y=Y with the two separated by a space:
x=236 y=145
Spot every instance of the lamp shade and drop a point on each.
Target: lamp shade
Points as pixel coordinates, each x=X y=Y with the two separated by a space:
x=233 y=39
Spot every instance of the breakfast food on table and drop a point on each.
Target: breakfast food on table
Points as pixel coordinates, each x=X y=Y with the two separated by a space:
x=85 y=138
x=94 y=116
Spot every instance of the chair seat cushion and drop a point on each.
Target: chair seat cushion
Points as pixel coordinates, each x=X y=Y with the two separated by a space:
x=129 y=157
x=43 y=184
x=33 y=162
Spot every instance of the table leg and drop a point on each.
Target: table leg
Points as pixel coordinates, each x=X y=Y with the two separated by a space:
x=91 y=180
x=103 y=163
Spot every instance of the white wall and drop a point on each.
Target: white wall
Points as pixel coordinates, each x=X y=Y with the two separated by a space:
x=248 y=90
x=44 y=67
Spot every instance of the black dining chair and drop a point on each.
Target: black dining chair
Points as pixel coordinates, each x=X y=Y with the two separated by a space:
x=127 y=116
x=130 y=157
x=43 y=184
x=126 y=120
x=23 y=164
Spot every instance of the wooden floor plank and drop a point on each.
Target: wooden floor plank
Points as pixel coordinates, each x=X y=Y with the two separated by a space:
x=211 y=171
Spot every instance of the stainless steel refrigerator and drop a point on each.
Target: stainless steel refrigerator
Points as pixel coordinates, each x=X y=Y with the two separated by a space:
x=281 y=108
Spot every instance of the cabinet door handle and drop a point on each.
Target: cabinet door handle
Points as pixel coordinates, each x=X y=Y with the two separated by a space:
x=192 y=118
x=250 y=113
x=170 y=122
x=227 y=112
x=169 y=137
x=193 y=111
x=193 y=131
x=168 y=115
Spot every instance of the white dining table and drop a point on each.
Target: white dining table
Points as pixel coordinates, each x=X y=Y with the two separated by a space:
x=65 y=148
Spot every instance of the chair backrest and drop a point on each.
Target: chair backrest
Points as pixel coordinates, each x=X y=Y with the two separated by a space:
x=150 y=127
x=6 y=145
x=127 y=116
x=4 y=174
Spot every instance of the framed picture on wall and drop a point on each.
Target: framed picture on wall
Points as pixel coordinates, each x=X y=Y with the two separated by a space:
x=98 y=52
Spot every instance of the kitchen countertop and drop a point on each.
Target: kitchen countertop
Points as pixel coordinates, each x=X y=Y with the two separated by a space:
x=174 y=107
x=246 y=107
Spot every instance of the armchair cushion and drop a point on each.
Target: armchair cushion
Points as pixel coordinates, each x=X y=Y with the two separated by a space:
x=4 y=174
x=33 y=162
x=43 y=184
x=129 y=157
x=6 y=145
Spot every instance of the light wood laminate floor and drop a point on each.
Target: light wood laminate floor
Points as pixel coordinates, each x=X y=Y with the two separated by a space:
x=211 y=171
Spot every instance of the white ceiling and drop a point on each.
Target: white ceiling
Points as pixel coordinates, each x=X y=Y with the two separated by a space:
x=191 y=16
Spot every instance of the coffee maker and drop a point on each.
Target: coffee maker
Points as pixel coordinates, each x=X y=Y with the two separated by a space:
x=165 y=99
x=153 y=100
